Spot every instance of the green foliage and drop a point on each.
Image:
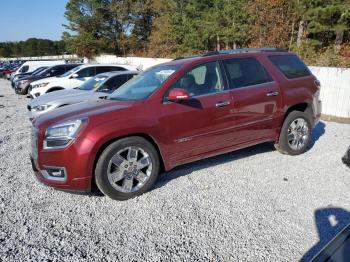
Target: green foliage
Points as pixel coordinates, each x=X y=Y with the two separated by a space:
x=32 y=47
x=208 y=25
x=318 y=30
x=111 y=26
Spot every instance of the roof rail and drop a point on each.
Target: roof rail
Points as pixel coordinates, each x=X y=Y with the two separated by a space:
x=233 y=51
x=185 y=57
x=245 y=50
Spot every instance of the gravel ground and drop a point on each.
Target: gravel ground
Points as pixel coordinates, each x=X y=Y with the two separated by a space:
x=253 y=205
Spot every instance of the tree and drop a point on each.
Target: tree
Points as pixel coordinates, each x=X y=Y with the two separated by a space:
x=272 y=22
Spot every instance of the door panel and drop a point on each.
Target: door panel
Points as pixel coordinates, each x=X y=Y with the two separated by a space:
x=255 y=97
x=198 y=125
x=253 y=112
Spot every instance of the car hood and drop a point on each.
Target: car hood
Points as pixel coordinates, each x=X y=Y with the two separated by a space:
x=62 y=96
x=88 y=109
x=29 y=78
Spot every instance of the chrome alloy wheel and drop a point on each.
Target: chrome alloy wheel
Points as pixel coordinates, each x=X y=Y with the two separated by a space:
x=298 y=134
x=129 y=169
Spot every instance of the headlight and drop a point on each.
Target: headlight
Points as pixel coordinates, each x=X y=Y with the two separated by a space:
x=60 y=136
x=40 y=107
x=41 y=85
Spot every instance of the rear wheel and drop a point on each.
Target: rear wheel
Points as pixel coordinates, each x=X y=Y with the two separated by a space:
x=127 y=168
x=295 y=134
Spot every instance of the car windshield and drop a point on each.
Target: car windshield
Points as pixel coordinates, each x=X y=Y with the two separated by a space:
x=73 y=70
x=93 y=83
x=143 y=85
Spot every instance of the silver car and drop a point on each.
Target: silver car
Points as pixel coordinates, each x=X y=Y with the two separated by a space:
x=97 y=87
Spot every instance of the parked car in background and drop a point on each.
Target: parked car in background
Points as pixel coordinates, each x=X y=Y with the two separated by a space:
x=174 y=113
x=22 y=85
x=73 y=78
x=30 y=66
x=8 y=72
x=22 y=75
x=98 y=86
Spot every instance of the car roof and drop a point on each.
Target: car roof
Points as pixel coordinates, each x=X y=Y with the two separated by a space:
x=68 y=64
x=227 y=54
x=115 y=73
x=116 y=65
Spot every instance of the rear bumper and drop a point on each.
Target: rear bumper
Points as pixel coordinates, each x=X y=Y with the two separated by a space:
x=317 y=112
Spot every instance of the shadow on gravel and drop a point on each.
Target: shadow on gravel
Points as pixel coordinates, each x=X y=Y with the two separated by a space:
x=329 y=222
x=317 y=132
x=346 y=158
x=213 y=161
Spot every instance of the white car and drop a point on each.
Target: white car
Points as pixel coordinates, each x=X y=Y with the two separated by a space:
x=31 y=66
x=73 y=78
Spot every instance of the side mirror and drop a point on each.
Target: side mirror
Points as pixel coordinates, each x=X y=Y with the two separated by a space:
x=75 y=76
x=178 y=94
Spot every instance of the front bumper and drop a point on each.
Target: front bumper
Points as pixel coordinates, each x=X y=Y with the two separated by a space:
x=32 y=114
x=76 y=162
x=318 y=111
x=20 y=87
x=34 y=93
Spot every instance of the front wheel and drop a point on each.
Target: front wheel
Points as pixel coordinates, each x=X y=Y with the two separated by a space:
x=295 y=134
x=127 y=168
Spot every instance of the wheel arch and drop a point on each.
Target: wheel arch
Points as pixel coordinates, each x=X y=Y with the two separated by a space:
x=145 y=136
x=302 y=107
x=55 y=88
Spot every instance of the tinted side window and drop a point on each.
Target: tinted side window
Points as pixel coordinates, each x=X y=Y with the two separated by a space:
x=117 y=68
x=103 y=69
x=69 y=67
x=201 y=80
x=57 y=71
x=290 y=65
x=129 y=76
x=86 y=72
x=24 y=69
x=113 y=83
x=243 y=72
x=119 y=80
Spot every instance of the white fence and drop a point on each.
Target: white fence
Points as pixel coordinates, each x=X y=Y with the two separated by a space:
x=54 y=57
x=141 y=62
x=335 y=90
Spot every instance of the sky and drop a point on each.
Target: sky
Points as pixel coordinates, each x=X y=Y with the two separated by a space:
x=23 y=19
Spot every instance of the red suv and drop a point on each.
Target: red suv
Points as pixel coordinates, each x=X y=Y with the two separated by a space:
x=174 y=113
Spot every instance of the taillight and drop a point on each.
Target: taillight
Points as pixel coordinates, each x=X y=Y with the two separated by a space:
x=317 y=84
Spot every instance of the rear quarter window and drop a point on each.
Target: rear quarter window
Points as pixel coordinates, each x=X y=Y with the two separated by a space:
x=244 y=72
x=290 y=65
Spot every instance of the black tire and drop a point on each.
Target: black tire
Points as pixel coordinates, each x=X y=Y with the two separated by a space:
x=23 y=91
x=101 y=170
x=283 y=145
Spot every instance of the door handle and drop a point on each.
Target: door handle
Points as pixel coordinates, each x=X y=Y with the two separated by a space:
x=222 y=104
x=274 y=93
